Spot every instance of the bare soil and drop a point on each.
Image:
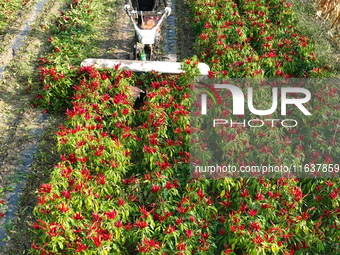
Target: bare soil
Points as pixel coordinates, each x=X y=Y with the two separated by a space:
x=18 y=117
x=185 y=35
x=117 y=38
x=13 y=30
x=19 y=120
x=309 y=22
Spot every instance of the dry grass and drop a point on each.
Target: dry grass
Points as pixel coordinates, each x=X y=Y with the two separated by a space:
x=316 y=26
x=330 y=10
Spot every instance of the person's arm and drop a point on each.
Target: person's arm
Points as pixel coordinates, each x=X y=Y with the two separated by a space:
x=167 y=9
x=167 y=3
x=127 y=5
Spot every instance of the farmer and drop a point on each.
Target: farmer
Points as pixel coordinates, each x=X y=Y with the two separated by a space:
x=149 y=24
x=148 y=5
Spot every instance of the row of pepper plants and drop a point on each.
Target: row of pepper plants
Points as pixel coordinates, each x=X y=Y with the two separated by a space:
x=123 y=183
x=258 y=40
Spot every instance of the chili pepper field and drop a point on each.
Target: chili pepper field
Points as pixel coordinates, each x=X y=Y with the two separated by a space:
x=123 y=181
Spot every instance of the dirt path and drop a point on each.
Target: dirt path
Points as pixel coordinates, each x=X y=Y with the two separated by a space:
x=21 y=125
x=185 y=35
x=18 y=118
x=117 y=38
x=16 y=114
x=12 y=40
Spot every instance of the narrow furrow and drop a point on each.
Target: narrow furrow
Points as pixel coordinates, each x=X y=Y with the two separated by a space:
x=18 y=40
x=21 y=125
x=170 y=53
